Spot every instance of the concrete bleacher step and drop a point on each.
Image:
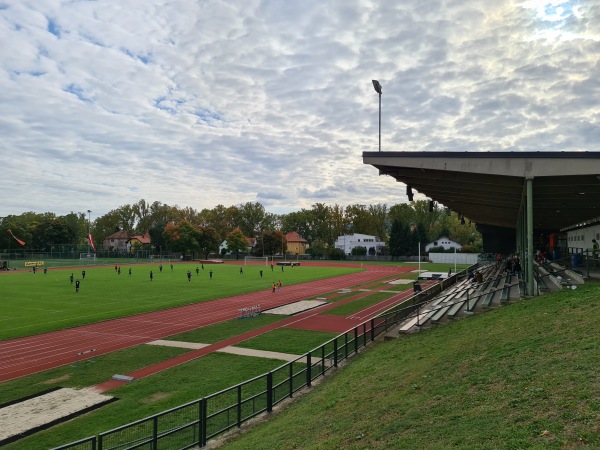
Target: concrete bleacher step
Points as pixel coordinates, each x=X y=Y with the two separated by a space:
x=440 y=314
x=415 y=321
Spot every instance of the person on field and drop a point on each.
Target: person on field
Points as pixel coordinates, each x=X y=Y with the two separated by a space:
x=171 y=267
x=210 y=274
x=119 y=271
x=71 y=278
x=241 y=271
x=151 y=275
x=130 y=271
x=273 y=286
x=197 y=271
x=77 y=286
x=160 y=268
x=261 y=272
x=83 y=274
x=279 y=285
x=189 y=275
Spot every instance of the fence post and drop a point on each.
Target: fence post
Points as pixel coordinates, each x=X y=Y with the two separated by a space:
x=308 y=370
x=269 y=394
x=365 y=334
x=355 y=339
x=372 y=330
x=155 y=433
x=203 y=420
x=239 y=404
x=291 y=379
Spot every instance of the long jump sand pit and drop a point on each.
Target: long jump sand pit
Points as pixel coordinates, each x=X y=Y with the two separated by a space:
x=295 y=308
x=20 y=419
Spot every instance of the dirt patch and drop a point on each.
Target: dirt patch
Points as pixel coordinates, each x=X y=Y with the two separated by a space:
x=57 y=380
x=155 y=398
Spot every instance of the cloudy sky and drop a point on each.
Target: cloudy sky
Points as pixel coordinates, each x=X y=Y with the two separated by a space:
x=203 y=102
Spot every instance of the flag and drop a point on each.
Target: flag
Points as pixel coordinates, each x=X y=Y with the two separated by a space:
x=16 y=238
x=91 y=241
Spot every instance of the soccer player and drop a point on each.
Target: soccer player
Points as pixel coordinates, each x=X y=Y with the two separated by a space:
x=189 y=275
x=71 y=278
x=241 y=270
x=160 y=268
x=197 y=271
x=273 y=286
x=130 y=271
x=83 y=274
x=260 y=273
x=210 y=274
x=151 y=275
x=77 y=286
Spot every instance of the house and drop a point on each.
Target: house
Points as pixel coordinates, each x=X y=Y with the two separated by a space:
x=116 y=241
x=139 y=241
x=296 y=245
x=346 y=243
x=445 y=242
x=223 y=250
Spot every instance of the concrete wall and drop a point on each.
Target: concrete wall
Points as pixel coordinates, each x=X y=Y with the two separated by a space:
x=460 y=258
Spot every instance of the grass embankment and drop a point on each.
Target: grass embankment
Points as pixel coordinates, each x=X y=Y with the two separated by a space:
x=522 y=376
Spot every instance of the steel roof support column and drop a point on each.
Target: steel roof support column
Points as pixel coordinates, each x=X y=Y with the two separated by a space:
x=529 y=230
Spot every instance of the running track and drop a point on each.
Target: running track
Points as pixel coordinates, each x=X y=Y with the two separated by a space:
x=28 y=355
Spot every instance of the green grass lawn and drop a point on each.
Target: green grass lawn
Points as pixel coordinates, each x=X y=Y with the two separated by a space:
x=521 y=376
x=40 y=303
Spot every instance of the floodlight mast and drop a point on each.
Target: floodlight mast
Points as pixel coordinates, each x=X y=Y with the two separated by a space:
x=377 y=87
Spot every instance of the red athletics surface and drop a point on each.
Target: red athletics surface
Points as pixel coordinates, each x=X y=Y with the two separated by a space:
x=28 y=355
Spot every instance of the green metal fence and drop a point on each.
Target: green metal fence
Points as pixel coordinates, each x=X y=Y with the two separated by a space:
x=195 y=423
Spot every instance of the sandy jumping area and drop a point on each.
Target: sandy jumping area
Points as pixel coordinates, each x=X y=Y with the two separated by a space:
x=44 y=409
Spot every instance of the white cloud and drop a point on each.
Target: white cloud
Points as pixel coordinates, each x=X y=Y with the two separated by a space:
x=200 y=103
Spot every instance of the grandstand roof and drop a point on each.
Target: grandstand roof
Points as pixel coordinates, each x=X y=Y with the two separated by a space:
x=489 y=187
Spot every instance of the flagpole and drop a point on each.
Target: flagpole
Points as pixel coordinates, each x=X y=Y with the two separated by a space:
x=88 y=239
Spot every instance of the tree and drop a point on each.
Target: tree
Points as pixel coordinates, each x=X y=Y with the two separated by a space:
x=396 y=237
x=182 y=237
x=208 y=241
x=270 y=243
x=237 y=242
x=317 y=249
x=50 y=232
x=359 y=251
x=252 y=218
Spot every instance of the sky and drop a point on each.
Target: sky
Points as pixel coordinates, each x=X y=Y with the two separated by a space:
x=197 y=103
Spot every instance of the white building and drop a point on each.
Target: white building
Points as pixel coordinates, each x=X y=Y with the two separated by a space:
x=445 y=242
x=348 y=242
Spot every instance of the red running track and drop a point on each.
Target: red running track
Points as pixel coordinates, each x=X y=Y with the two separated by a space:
x=28 y=355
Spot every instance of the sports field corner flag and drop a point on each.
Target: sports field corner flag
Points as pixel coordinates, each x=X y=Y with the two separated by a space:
x=16 y=238
x=91 y=239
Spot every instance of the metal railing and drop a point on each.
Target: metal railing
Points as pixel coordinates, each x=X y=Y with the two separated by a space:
x=195 y=423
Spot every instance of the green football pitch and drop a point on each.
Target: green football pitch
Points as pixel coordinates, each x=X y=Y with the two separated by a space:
x=42 y=302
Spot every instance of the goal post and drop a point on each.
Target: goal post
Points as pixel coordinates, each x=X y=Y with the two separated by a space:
x=87 y=257
x=256 y=260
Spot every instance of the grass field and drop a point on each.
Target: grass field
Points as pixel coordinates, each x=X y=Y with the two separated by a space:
x=40 y=303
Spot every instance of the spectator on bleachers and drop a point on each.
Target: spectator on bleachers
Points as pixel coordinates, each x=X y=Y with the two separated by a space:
x=417 y=287
x=470 y=274
x=508 y=268
x=517 y=267
x=498 y=259
x=478 y=277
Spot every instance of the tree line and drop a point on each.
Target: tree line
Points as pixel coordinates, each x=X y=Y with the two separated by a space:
x=173 y=228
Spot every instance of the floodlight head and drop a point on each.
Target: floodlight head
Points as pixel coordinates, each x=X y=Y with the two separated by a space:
x=377 y=86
